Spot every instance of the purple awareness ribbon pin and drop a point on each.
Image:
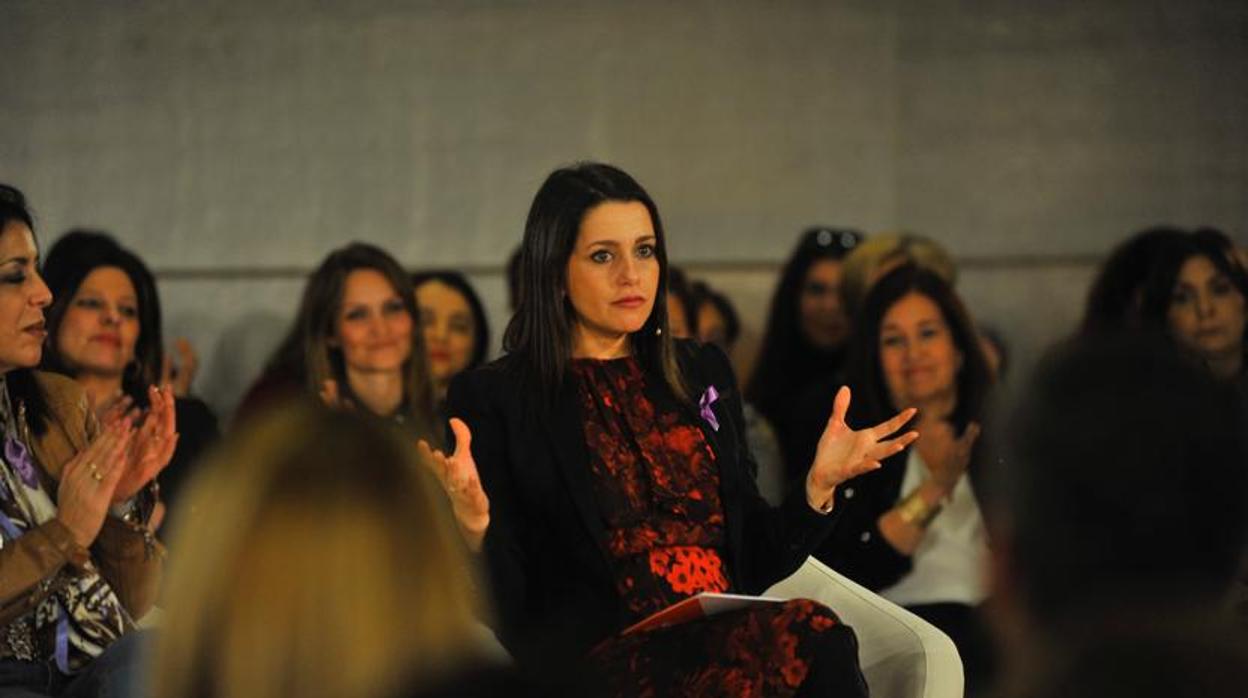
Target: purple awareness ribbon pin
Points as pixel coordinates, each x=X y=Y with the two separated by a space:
x=709 y=396
x=18 y=456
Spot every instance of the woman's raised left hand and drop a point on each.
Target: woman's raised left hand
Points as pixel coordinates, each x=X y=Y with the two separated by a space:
x=153 y=444
x=845 y=453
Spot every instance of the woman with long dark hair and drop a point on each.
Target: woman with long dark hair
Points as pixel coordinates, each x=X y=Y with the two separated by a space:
x=912 y=530
x=1197 y=296
x=615 y=471
x=104 y=331
x=79 y=561
x=807 y=327
x=456 y=332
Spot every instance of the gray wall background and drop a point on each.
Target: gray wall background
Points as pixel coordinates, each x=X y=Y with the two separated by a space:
x=234 y=143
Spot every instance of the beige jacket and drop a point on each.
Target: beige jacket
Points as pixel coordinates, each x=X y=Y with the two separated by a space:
x=118 y=553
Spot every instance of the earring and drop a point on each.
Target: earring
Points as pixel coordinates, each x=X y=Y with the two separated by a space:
x=658 y=332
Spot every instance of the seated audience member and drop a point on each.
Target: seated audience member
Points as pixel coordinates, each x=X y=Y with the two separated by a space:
x=716 y=319
x=717 y=324
x=807 y=328
x=616 y=470
x=104 y=331
x=996 y=352
x=456 y=333
x=1117 y=293
x=79 y=561
x=870 y=261
x=912 y=530
x=1117 y=513
x=1196 y=295
x=323 y=561
x=681 y=315
x=360 y=344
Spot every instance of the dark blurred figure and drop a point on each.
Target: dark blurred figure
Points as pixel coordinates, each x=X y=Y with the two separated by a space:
x=996 y=351
x=1196 y=296
x=806 y=327
x=1115 y=298
x=681 y=312
x=104 y=330
x=715 y=317
x=1119 y=503
x=717 y=323
x=457 y=334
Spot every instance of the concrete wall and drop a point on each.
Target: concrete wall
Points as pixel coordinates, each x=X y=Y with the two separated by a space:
x=234 y=143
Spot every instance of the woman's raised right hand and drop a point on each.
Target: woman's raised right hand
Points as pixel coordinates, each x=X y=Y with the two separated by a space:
x=458 y=475
x=89 y=480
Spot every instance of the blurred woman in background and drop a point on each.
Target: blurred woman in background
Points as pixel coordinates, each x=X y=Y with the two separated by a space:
x=1196 y=295
x=322 y=561
x=104 y=331
x=456 y=333
x=356 y=343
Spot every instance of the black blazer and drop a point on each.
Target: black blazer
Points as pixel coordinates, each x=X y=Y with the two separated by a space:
x=544 y=551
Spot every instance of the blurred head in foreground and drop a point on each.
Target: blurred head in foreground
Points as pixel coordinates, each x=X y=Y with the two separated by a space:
x=321 y=561
x=1122 y=490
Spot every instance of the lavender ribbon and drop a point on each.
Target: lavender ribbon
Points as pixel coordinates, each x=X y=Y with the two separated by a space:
x=18 y=456
x=709 y=396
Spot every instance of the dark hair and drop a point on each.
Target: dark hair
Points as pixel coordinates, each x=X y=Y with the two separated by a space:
x=1115 y=297
x=702 y=293
x=871 y=397
x=1158 y=292
x=74 y=256
x=784 y=348
x=22 y=386
x=1124 y=472
x=13 y=207
x=541 y=329
x=457 y=281
x=678 y=287
x=513 y=279
x=315 y=324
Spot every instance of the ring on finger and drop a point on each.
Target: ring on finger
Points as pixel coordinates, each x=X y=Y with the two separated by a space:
x=95 y=472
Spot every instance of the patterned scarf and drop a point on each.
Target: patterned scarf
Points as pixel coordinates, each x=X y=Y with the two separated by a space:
x=82 y=613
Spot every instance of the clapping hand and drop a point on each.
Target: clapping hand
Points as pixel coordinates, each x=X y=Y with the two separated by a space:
x=945 y=455
x=88 y=482
x=458 y=475
x=844 y=453
x=152 y=445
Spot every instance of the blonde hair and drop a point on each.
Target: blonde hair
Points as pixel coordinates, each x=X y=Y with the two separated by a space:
x=314 y=558
x=882 y=253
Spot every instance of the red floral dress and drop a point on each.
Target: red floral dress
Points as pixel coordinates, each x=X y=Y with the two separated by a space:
x=657 y=484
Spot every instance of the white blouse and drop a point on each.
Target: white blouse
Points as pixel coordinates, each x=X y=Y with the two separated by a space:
x=951 y=561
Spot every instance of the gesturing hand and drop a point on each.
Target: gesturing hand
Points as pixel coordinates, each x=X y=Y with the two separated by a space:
x=458 y=475
x=89 y=482
x=152 y=446
x=945 y=455
x=844 y=453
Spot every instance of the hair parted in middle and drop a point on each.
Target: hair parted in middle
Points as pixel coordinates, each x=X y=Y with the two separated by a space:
x=316 y=325
x=864 y=370
x=541 y=329
x=74 y=256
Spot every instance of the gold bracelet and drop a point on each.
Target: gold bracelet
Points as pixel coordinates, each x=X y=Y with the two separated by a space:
x=915 y=510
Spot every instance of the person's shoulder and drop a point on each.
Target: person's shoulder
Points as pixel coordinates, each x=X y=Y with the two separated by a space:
x=63 y=394
x=498 y=380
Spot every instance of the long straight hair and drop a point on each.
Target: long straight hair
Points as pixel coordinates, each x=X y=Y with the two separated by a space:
x=316 y=325
x=541 y=329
